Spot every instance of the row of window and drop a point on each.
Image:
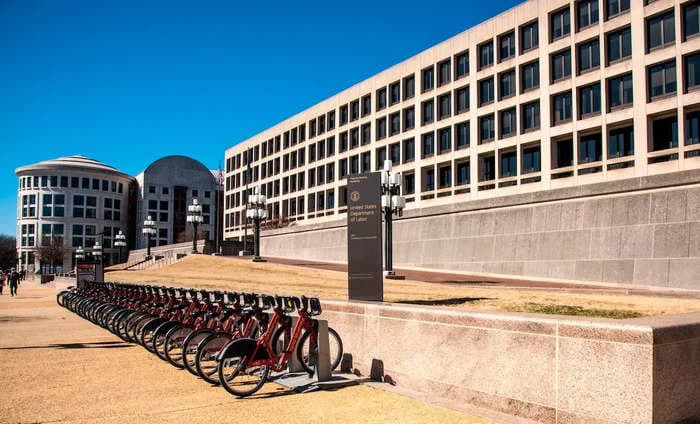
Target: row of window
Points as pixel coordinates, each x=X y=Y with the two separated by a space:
x=165 y=191
x=54 y=205
x=65 y=181
x=159 y=211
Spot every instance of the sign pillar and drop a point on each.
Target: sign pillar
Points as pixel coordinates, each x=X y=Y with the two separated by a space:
x=365 y=279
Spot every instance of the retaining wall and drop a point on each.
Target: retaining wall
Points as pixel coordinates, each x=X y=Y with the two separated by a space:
x=550 y=369
x=640 y=231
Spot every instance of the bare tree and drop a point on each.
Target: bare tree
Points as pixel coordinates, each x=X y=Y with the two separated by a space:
x=51 y=252
x=8 y=251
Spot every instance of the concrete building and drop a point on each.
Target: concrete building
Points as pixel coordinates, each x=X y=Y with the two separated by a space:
x=165 y=189
x=70 y=202
x=559 y=139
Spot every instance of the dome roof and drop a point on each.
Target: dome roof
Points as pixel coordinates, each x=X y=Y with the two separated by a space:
x=74 y=162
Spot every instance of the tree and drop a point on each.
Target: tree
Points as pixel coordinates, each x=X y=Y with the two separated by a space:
x=50 y=252
x=8 y=251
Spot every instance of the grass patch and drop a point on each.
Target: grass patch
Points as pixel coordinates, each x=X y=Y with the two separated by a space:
x=552 y=309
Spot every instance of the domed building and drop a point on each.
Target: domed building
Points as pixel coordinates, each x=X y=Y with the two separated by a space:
x=66 y=203
x=165 y=189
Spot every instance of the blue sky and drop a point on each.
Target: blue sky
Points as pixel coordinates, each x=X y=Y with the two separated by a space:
x=127 y=82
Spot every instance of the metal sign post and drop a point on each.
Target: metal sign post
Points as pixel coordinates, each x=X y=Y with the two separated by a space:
x=365 y=279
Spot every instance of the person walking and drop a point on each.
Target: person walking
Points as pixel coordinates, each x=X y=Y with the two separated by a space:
x=2 y=282
x=13 y=280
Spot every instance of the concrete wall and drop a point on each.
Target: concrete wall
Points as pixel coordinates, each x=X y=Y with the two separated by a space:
x=640 y=231
x=551 y=369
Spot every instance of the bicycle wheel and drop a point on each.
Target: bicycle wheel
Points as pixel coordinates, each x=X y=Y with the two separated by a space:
x=148 y=331
x=189 y=348
x=173 y=344
x=308 y=354
x=205 y=360
x=238 y=378
x=158 y=343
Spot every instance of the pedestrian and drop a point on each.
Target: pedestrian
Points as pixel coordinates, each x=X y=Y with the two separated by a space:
x=22 y=274
x=2 y=282
x=13 y=280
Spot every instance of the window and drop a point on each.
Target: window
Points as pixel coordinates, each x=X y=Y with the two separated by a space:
x=462 y=134
x=691 y=19
x=462 y=173
x=586 y=13
x=561 y=65
x=444 y=106
x=381 y=130
x=662 y=79
x=354 y=137
x=331 y=120
x=486 y=91
x=366 y=137
x=409 y=183
x=506 y=46
x=74 y=182
x=486 y=128
x=395 y=93
x=367 y=103
x=620 y=91
x=445 y=176
x=445 y=138
x=589 y=148
x=588 y=56
x=506 y=84
x=620 y=142
x=381 y=98
x=486 y=55
x=354 y=166
x=409 y=87
x=531 y=116
x=561 y=107
x=343 y=114
x=616 y=7
x=409 y=150
x=509 y=164
x=444 y=76
x=461 y=100
x=563 y=153
x=692 y=128
x=560 y=23
x=529 y=37
x=395 y=123
x=47 y=205
x=343 y=168
x=409 y=118
x=354 y=111
x=29 y=205
x=428 y=79
x=64 y=181
x=429 y=179
x=589 y=100
x=85 y=185
x=619 y=45
x=664 y=133
x=366 y=162
x=660 y=31
x=330 y=147
x=151 y=189
x=427 y=145
x=427 y=108
x=507 y=121
x=343 y=141
x=461 y=65
x=531 y=160
x=487 y=168
x=530 y=76
x=395 y=153
x=692 y=71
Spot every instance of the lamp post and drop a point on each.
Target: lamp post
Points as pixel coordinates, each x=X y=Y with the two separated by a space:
x=194 y=215
x=79 y=254
x=257 y=212
x=97 y=251
x=120 y=241
x=392 y=203
x=149 y=229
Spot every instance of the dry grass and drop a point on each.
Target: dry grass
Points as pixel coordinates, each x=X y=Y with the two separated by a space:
x=233 y=274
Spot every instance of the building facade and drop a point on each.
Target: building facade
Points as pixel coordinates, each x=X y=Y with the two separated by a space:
x=165 y=189
x=66 y=203
x=547 y=96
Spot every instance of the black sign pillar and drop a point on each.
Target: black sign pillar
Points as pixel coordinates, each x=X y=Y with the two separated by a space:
x=365 y=279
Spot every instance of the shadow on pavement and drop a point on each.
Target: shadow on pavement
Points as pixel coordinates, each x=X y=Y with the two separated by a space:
x=451 y=301
x=93 y=345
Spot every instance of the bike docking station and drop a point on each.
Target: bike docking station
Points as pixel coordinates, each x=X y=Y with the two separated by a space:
x=323 y=379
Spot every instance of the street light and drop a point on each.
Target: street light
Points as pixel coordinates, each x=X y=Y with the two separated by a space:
x=97 y=250
x=149 y=229
x=120 y=241
x=194 y=215
x=79 y=253
x=392 y=203
x=257 y=212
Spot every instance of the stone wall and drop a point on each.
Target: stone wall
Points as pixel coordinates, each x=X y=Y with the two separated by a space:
x=641 y=231
x=550 y=369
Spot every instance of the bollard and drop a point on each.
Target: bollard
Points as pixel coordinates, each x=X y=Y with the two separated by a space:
x=323 y=360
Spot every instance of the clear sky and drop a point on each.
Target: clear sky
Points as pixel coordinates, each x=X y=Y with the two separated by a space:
x=127 y=82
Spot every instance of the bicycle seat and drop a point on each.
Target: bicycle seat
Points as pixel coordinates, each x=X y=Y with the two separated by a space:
x=315 y=306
